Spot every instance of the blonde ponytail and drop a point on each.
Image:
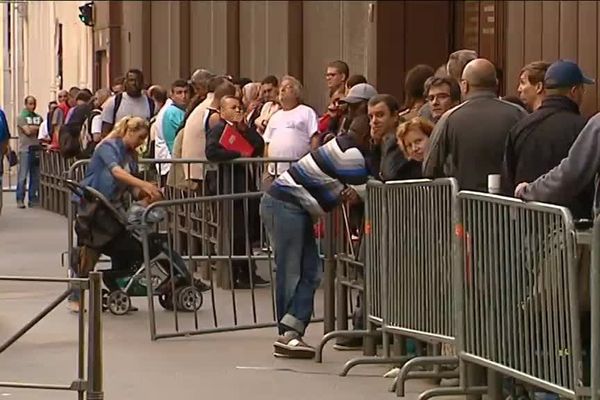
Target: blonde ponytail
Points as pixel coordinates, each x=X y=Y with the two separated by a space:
x=126 y=124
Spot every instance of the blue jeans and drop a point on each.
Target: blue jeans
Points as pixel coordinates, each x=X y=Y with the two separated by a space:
x=29 y=166
x=299 y=268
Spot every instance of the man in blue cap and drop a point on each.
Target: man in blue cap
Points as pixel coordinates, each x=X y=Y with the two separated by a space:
x=541 y=140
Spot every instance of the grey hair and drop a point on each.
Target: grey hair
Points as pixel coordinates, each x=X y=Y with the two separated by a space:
x=201 y=76
x=296 y=85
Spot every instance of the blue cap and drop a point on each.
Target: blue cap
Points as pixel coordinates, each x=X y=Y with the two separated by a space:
x=564 y=73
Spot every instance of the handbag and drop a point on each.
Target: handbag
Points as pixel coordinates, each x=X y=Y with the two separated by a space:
x=12 y=158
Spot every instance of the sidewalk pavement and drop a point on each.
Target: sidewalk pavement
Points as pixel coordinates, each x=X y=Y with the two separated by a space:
x=225 y=366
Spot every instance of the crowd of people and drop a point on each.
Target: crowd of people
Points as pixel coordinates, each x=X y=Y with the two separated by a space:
x=452 y=123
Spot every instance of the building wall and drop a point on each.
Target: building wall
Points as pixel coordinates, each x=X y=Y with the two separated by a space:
x=549 y=30
x=40 y=49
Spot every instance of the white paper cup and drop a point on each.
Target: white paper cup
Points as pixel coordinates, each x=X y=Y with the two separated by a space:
x=494 y=184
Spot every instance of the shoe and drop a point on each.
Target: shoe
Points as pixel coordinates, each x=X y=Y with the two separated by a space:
x=260 y=282
x=20 y=204
x=257 y=282
x=203 y=287
x=347 y=344
x=133 y=309
x=291 y=345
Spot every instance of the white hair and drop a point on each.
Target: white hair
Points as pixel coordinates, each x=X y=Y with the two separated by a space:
x=296 y=85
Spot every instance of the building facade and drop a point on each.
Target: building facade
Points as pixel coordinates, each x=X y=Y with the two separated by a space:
x=46 y=46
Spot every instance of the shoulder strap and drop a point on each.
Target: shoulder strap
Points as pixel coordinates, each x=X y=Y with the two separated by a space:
x=116 y=105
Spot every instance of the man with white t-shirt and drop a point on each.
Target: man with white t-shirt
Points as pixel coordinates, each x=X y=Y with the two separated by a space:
x=131 y=102
x=289 y=133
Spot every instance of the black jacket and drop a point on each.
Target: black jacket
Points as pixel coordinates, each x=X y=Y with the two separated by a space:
x=539 y=142
x=242 y=175
x=386 y=161
x=468 y=141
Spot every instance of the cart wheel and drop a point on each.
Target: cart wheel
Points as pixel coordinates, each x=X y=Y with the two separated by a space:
x=166 y=301
x=189 y=298
x=105 y=294
x=119 y=302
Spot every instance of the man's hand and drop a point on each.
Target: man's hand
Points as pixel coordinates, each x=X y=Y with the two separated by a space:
x=520 y=189
x=350 y=196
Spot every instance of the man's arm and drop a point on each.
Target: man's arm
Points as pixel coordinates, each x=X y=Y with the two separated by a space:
x=433 y=166
x=574 y=173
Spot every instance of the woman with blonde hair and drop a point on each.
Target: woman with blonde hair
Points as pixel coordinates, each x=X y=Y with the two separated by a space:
x=114 y=161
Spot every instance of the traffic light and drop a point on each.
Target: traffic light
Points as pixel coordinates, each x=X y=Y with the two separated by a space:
x=86 y=13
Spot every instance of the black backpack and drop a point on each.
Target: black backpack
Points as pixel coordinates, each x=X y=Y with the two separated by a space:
x=119 y=100
x=69 y=134
x=86 y=138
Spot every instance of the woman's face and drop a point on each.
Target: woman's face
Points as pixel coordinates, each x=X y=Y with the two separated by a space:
x=381 y=120
x=135 y=138
x=416 y=144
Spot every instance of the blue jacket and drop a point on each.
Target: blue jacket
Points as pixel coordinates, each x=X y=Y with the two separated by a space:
x=4 y=130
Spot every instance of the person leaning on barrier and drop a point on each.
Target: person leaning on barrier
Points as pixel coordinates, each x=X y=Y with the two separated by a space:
x=542 y=139
x=468 y=141
x=310 y=188
x=109 y=173
x=237 y=179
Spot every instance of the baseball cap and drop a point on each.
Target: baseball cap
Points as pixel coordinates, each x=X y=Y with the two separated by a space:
x=564 y=73
x=358 y=93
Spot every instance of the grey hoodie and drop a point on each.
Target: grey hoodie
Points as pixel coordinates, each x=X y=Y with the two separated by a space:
x=574 y=173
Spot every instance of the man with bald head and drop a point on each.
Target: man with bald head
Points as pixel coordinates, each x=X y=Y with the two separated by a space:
x=468 y=141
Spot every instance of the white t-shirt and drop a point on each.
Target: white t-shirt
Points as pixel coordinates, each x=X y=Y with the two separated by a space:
x=43 y=131
x=136 y=106
x=288 y=135
x=96 y=128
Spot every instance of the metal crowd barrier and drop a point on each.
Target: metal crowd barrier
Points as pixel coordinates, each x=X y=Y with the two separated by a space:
x=90 y=383
x=54 y=196
x=409 y=230
x=202 y=221
x=517 y=299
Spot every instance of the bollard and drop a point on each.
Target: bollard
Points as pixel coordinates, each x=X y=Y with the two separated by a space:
x=95 y=364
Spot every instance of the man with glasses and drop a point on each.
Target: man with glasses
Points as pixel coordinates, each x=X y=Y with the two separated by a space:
x=336 y=76
x=442 y=93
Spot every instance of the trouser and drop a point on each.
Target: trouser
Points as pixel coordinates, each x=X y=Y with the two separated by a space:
x=29 y=167
x=299 y=267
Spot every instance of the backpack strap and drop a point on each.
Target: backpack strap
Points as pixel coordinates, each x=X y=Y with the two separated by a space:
x=117 y=104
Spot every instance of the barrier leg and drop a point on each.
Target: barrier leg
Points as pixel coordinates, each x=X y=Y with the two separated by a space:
x=337 y=334
x=95 y=363
x=406 y=373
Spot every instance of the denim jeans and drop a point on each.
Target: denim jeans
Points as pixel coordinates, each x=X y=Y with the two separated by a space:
x=29 y=167
x=299 y=268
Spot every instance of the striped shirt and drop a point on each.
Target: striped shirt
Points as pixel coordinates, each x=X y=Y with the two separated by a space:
x=316 y=181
